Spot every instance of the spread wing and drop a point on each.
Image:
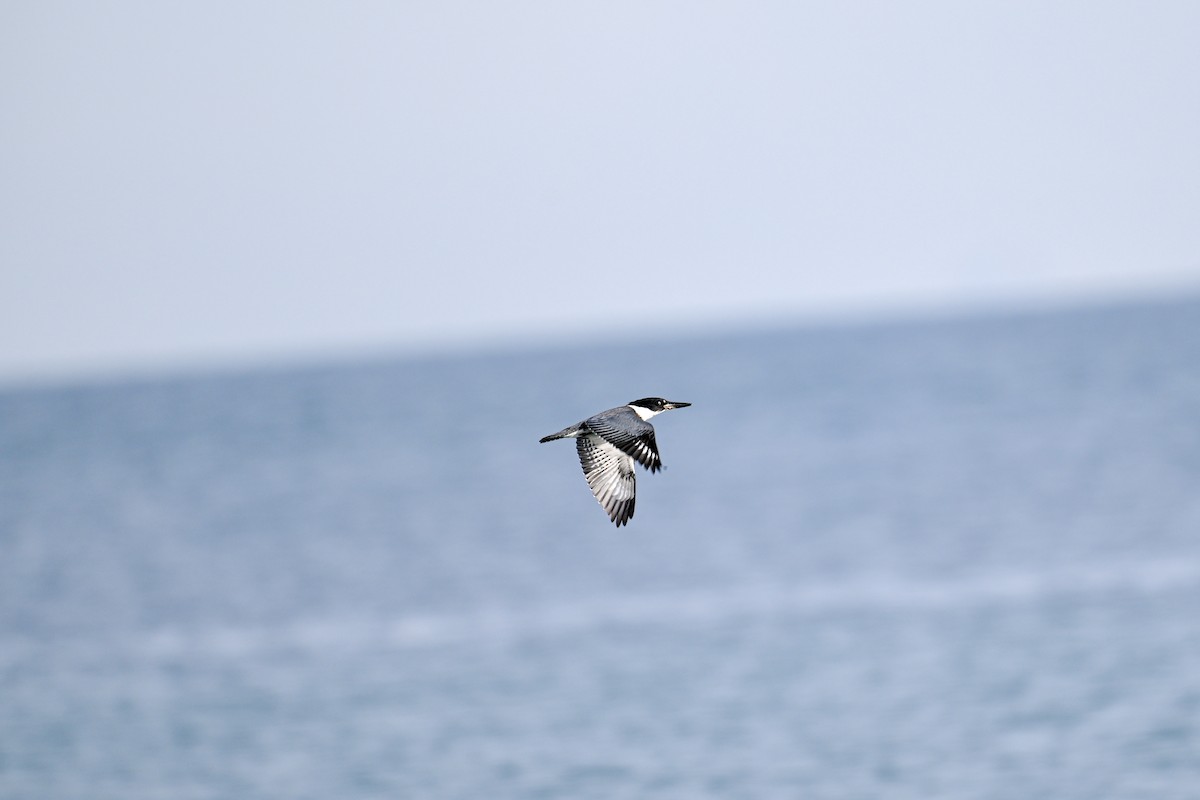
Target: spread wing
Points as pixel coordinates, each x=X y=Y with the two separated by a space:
x=632 y=436
x=609 y=473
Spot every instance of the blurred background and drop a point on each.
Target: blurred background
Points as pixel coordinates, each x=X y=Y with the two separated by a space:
x=288 y=293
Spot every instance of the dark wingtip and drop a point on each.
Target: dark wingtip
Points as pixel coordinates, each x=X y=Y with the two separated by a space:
x=623 y=514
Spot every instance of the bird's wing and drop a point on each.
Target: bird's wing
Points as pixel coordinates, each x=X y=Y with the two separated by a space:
x=609 y=473
x=632 y=436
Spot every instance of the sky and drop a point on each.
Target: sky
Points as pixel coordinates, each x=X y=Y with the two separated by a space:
x=196 y=183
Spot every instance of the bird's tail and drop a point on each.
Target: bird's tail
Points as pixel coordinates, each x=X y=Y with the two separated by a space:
x=565 y=433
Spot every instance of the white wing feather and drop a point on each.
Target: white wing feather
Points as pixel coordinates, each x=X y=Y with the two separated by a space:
x=609 y=473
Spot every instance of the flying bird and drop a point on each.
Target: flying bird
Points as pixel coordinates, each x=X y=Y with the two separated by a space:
x=608 y=443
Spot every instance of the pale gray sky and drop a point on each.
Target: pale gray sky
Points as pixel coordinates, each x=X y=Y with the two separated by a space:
x=183 y=181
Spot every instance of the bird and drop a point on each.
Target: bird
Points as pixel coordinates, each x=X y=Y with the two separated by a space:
x=608 y=443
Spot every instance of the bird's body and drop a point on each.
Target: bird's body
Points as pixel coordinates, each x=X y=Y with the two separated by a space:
x=608 y=443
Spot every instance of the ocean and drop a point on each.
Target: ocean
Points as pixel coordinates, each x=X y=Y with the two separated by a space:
x=951 y=558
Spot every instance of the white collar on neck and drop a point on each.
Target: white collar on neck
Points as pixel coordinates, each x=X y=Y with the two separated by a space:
x=644 y=413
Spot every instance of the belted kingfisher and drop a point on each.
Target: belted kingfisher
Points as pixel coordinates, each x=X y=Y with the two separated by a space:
x=608 y=444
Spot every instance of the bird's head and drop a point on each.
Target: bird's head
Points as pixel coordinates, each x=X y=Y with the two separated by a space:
x=649 y=406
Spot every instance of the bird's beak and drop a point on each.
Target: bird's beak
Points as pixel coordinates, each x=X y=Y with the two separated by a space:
x=671 y=404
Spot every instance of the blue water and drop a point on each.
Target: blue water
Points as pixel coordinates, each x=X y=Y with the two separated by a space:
x=951 y=559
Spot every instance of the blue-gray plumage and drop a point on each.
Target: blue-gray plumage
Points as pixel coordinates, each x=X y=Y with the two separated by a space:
x=608 y=444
